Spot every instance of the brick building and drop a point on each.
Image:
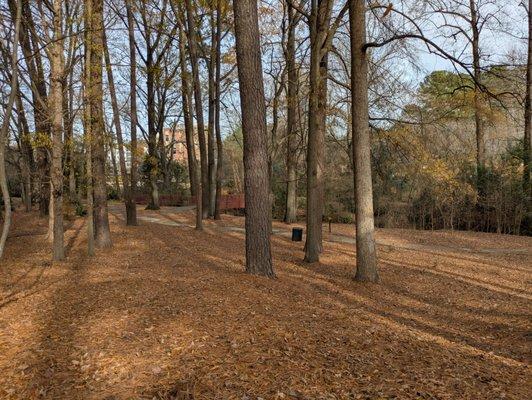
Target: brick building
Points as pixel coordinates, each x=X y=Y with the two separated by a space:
x=175 y=142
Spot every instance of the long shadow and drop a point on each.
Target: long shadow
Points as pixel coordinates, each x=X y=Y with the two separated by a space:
x=437 y=327
x=53 y=374
x=461 y=342
x=26 y=290
x=73 y=238
x=491 y=286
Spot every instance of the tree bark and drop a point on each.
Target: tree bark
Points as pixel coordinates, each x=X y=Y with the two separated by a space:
x=97 y=129
x=365 y=240
x=56 y=114
x=319 y=26
x=252 y=103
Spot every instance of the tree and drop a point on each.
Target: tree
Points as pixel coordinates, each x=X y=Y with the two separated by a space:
x=365 y=239
x=217 y=94
x=319 y=23
x=527 y=144
x=5 y=127
x=56 y=114
x=256 y=171
x=321 y=32
x=198 y=103
x=132 y=206
x=186 y=95
x=94 y=43
x=119 y=137
x=292 y=123
x=30 y=44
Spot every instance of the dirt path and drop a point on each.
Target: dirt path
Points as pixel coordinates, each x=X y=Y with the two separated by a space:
x=161 y=217
x=168 y=313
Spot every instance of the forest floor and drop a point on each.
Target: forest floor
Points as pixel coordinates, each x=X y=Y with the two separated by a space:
x=168 y=313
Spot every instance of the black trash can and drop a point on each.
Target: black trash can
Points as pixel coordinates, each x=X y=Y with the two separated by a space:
x=297 y=234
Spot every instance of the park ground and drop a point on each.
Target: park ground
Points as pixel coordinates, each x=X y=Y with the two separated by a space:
x=168 y=313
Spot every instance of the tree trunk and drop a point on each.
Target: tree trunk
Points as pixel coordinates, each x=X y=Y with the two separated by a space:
x=97 y=130
x=131 y=207
x=5 y=127
x=252 y=103
x=319 y=25
x=219 y=143
x=527 y=144
x=198 y=104
x=152 y=160
x=56 y=114
x=118 y=126
x=68 y=146
x=186 y=95
x=365 y=240
x=110 y=148
x=187 y=109
x=32 y=57
x=26 y=150
x=211 y=140
x=479 y=124
x=291 y=120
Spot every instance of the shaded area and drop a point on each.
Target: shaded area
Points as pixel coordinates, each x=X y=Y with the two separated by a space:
x=169 y=313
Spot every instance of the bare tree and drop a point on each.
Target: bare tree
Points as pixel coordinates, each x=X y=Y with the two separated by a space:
x=31 y=46
x=132 y=206
x=217 y=94
x=527 y=145
x=198 y=103
x=256 y=171
x=186 y=92
x=118 y=127
x=5 y=127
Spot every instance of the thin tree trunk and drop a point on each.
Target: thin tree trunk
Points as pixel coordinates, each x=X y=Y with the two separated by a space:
x=5 y=128
x=56 y=113
x=97 y=130
x=479 y=125
x=186 y=95
x=211 y=140
x=365 y=240
x=118 y=126
x=87 y=131
x=527 y=144
x=219 y=143
x=291 y=120
x=152 y=134
x=27 y=151
x=111 y=149
x=32 y=57
x=256 y=174
x=68 y=102
x=198 y=104
x=131 y=207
